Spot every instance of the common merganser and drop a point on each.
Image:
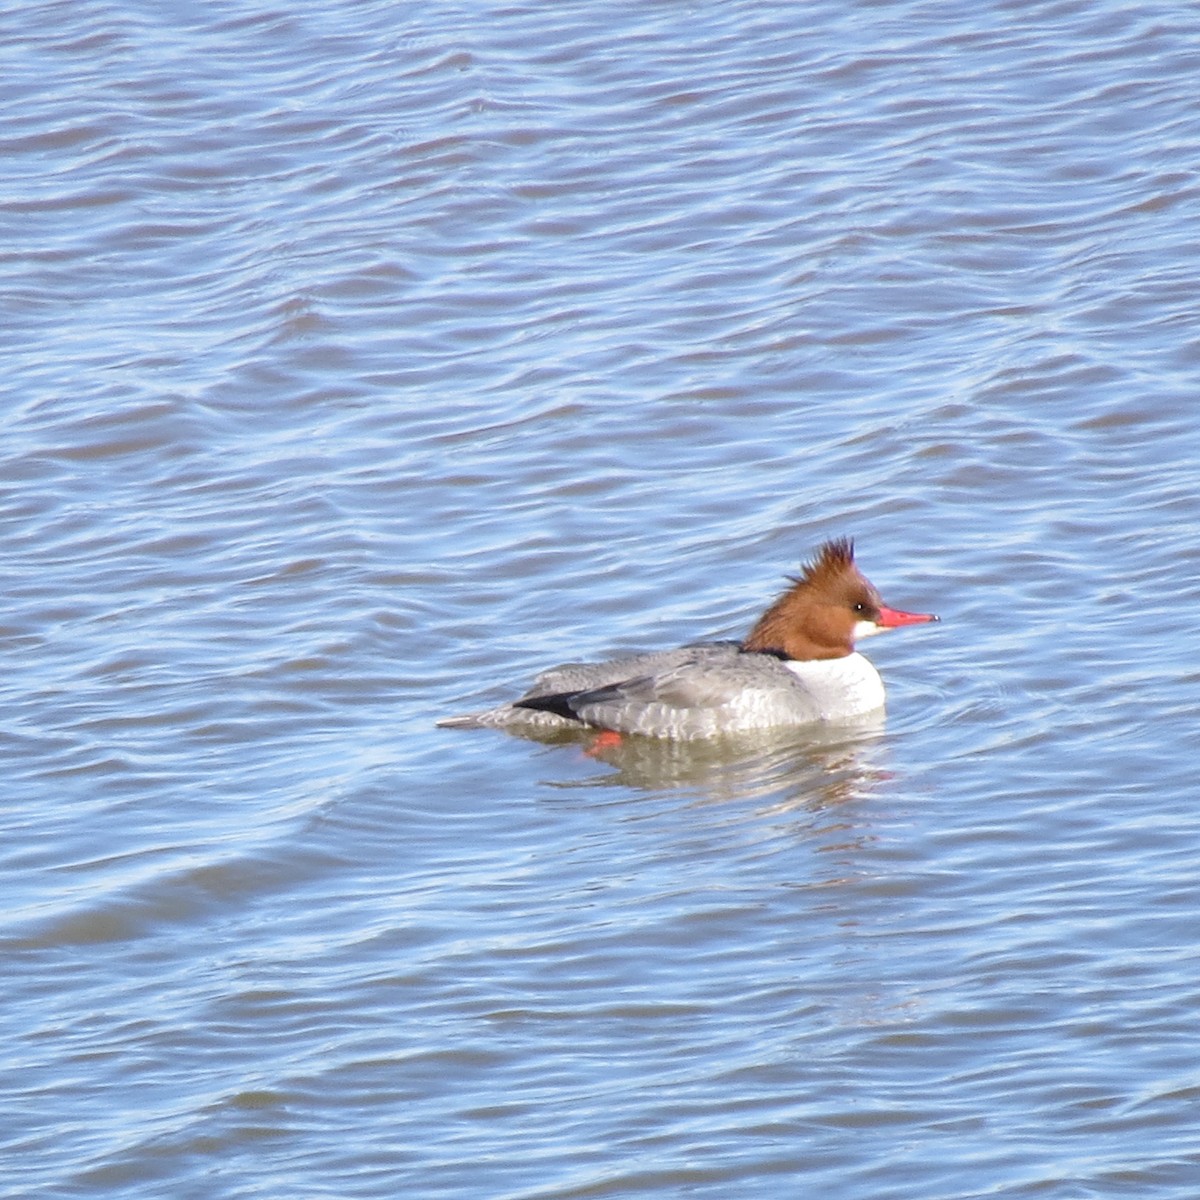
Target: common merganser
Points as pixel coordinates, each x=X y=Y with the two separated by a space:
x=798 y=666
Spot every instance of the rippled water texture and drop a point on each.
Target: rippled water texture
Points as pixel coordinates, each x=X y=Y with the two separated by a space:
x=362 y=360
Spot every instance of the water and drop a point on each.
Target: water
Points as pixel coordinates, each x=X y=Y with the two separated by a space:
x=362 y=361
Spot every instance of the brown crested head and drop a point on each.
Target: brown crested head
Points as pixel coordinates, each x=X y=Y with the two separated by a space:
x=816 y=618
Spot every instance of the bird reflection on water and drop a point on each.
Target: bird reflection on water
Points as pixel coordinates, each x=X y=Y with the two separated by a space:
x=815 y=767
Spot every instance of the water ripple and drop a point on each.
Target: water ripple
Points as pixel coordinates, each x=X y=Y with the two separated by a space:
x=361 y=363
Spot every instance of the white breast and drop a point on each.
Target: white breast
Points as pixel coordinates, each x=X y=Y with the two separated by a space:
x=842 y=687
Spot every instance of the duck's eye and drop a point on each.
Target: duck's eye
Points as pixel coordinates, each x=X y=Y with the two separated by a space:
x=859 y=609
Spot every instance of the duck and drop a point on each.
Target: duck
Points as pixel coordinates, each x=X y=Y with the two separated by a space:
x=797 y=666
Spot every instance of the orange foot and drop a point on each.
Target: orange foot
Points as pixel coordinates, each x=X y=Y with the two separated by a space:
x=606 y=739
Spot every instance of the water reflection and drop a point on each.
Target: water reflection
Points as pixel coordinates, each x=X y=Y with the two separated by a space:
x=810 y=768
